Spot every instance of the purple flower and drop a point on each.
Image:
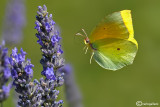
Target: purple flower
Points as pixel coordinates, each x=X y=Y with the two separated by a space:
x=48 y=27
x=14 y=52
x=14 y=73
x=49 y=73
x=28 y=68
x=54 y=40
x=39 y=41
x=23 y=53
x=37 y=26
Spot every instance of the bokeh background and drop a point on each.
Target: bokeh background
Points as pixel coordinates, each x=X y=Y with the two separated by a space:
x=99 y=87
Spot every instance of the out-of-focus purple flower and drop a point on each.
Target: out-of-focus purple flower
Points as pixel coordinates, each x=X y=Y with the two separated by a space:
x=6 y=89
x=72 y=92
x=5 y=73
x=48 y=38
x=14 y=21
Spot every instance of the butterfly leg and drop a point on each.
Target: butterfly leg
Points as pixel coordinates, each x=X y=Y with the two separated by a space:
x=91 y=57
x=86 y=50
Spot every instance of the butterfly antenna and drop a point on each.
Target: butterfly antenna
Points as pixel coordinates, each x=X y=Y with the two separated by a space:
x=85 y=33
x=79 y=34
x=91 y=57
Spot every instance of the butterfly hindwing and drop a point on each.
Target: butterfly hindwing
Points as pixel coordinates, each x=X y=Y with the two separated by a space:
x=113 y=53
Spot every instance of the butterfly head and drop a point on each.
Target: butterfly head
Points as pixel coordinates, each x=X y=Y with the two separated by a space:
x=86 y=41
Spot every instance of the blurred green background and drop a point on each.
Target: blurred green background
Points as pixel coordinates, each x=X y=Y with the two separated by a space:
x=99 y=87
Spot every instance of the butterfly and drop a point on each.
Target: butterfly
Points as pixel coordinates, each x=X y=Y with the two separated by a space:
x=112 y=41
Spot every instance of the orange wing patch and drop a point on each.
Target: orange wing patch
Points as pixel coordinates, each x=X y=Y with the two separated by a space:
x=112 y=26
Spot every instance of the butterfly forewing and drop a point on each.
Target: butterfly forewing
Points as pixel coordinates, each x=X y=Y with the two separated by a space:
x=115 y=25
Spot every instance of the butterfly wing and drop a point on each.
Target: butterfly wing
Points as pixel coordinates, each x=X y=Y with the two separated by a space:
x=113 y=53
x=116 y=25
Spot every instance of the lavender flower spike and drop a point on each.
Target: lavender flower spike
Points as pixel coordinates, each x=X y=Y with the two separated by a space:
x=5 y=73
x=22 y=74
x=48 y=38
x=14 y=21
x=72 y=92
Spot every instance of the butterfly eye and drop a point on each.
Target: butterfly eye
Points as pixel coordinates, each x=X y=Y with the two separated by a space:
x=87 y=40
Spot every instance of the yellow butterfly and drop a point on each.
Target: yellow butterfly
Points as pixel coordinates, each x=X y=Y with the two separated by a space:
x=112 y=41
